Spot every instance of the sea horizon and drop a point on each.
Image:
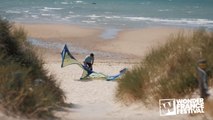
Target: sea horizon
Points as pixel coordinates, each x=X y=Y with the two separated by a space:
x=112 y=14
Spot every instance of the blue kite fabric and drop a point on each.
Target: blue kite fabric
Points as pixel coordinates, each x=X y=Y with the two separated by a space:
x=114 y=77
x=68 y=59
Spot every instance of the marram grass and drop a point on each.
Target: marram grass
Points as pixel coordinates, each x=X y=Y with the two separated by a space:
x=168 y=71
x=25 y=86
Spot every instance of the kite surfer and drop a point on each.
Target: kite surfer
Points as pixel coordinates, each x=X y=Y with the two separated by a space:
x=68 y=59
x=88 y=61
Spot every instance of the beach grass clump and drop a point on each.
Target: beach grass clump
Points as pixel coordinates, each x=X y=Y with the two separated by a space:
x=25 y=86
x=168 y=71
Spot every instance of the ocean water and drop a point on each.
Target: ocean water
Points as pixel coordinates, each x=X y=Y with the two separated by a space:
x=111 y=13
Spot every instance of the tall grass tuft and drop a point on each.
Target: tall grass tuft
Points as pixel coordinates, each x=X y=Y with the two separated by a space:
x=25 y=86
x=168 y=71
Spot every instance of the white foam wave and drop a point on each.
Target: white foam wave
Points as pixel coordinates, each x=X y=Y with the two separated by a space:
x=113 y=17
x=46 y=14
x=163 y=10
x=178 y=21
x=44 y=10
x=74 y=16
x=50 y=8
x=93 y=16
x=87 y=21
x=64 y=3
x=13 y=11
x=80 y=2
x=70 y=12
x=34 y=16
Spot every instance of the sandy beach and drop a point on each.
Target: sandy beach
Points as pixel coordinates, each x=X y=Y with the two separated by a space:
x=133 y=42
x=95 y=99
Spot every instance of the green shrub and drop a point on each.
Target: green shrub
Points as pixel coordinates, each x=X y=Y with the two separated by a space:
x=25 y=86
x=168 y=71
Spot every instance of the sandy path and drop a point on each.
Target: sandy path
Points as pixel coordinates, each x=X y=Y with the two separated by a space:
x=95 y=100
x=92 y=100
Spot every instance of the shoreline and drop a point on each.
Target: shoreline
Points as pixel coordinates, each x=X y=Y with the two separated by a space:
x=132 y=43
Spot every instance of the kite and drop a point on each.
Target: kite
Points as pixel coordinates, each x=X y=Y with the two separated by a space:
x=68 y=59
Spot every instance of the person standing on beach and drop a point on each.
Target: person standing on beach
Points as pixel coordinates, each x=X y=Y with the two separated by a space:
x=88 y=61
x=202 y=78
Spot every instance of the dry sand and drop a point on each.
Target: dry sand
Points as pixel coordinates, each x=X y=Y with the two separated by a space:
x=134 y=42
x=139 y=41
x=95 y=99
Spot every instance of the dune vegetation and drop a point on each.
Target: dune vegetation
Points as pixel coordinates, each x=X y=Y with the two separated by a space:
x=168 y=71
x=26 y=88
